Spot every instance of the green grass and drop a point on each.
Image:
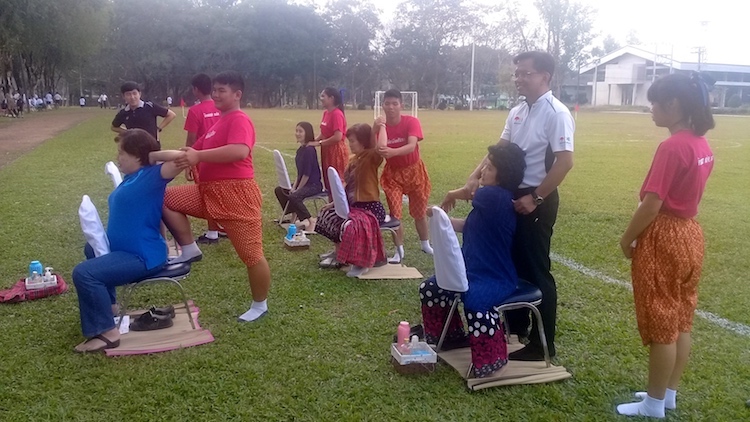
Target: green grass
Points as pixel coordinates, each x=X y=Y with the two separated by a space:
x=322 y=353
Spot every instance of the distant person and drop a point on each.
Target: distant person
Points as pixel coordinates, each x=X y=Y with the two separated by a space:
x=333 y=150
x=200 y=118
x=169 y=102
x=58 y=100
x=103 y=100
x=48 y=100
x=404 y=172
x=19 y=105
x=82 y=102
x=664 y=240
x=139 y=114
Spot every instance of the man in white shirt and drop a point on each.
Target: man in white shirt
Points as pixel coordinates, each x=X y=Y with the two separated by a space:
x=543 y=127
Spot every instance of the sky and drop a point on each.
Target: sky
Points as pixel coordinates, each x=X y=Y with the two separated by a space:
x=661 y=25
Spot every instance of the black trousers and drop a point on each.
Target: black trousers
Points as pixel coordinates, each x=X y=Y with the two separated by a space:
x=531 y=248
x=296 y=199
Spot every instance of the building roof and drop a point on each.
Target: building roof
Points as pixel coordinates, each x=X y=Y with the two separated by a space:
x=664 y=60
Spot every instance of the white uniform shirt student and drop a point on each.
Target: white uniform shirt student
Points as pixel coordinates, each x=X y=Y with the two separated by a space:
x=545 y=124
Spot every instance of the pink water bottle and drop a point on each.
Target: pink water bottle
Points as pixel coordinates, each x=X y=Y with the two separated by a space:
x=402 y=335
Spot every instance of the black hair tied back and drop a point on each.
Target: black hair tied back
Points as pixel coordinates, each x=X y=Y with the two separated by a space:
x=704 y=83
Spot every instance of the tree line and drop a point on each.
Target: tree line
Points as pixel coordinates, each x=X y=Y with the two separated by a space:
x=287 y=51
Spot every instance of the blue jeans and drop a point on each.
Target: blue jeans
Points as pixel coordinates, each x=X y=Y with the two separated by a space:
x=95 y=280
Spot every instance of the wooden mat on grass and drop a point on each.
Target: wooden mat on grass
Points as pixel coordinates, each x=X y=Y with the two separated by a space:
x=178 y=336
x=514 y=373
x=389 y=272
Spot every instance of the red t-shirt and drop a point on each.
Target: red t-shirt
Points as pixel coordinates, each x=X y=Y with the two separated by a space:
x=398 y=136
x=201 y=117
x=333 y=121
x=232 y=128
x=678 y=173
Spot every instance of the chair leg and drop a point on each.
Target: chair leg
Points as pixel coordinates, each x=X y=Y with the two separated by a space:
x=283 y=213
x=126 y=291
x=185 y=301
x=447 y=324
x=542 y=336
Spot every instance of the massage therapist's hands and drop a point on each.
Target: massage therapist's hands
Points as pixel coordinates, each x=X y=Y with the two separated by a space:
x=189 y=174
x=386 y=152
x=524 y=205
x=627 y=248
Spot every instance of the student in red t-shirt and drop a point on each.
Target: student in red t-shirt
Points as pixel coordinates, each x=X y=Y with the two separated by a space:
x=227 y=191
x=333 y=150
x=404 y=172
x=663 y=239
x=199 y=120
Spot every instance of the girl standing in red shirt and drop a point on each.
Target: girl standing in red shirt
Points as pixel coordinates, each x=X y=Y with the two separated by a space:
x=333 y=150
x=663 y=239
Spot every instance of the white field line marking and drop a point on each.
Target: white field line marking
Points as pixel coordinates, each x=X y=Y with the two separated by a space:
x=736 y=327
x=271 y=151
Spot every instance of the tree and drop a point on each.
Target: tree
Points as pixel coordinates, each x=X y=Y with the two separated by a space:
x=609 y=44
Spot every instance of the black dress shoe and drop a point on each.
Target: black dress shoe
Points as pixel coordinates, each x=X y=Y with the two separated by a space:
x=151 y=321
x=164 y=311
x=530 y=353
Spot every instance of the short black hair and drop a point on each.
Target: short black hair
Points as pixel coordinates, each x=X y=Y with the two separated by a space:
x=509 y=160
x=202 y=83
x=692 y=92
x=231 y=78
x=362 y=132
x=542 y=61
x=138 y=143
x=393 y=93
x=129 y=86
x=309 y=132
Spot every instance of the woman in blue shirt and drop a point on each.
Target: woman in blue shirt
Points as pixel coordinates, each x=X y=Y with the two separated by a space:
x=137 y=248
x=487 y=236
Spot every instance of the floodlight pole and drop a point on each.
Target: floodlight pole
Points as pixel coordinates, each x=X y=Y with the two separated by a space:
x=471 y=84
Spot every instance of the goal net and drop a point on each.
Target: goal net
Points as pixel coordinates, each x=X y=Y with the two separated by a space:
x=410 y=100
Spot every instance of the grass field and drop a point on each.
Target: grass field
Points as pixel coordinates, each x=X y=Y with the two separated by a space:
x=322 y=352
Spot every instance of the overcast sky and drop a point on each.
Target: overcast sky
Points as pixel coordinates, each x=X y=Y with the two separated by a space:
x=662 y=24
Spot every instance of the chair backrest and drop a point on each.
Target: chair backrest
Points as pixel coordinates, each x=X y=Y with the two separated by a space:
x=113 y=172
x=281 y=173
x=450 y=269
x=340 y=204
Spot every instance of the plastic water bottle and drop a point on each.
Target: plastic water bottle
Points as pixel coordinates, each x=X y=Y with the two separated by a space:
x=291 y=231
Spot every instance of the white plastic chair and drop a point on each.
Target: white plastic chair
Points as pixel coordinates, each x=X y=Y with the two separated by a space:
x=283 y=180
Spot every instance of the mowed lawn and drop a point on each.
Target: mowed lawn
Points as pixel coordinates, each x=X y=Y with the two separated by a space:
x=322 y=352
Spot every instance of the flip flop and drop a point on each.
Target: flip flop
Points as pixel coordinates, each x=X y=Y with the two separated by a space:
x=108 y=344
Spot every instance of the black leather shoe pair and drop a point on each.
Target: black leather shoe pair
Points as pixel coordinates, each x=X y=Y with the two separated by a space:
x=154 y=319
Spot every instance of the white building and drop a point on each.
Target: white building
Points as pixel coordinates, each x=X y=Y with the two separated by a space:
x=623 y=77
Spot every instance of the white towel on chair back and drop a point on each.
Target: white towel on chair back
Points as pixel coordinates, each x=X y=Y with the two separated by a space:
x=450 y=269
x=114 y=173
x=281 y=172
x=92 y=227
x=340 y=203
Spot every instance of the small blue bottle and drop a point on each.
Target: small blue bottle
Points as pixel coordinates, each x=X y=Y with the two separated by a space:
x=291 y=231
x=35 y=266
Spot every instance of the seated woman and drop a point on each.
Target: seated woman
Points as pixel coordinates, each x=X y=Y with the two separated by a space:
x=308 y=178
x=363 y=195
x=136 y=244
x=487 y=236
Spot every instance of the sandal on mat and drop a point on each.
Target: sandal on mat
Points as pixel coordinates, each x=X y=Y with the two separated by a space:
x=108 y=344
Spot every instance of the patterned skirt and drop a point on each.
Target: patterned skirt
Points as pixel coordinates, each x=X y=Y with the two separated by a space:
x=330 y=225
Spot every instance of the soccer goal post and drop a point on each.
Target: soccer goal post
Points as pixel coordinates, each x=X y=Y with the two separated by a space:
x=410 y=100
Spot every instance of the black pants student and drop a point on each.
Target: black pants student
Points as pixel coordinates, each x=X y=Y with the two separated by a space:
x=531 y=248
x=296 y=199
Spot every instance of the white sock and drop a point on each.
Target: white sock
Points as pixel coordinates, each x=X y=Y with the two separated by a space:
x=648 y=407
x=257 y=309
x=212 y=234
x=426 y=248
x=356 y=271
x=670 y=398
x=188 y=252
x=398 y=256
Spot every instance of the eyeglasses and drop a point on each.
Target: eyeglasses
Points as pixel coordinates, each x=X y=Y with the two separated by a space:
x=523 y=75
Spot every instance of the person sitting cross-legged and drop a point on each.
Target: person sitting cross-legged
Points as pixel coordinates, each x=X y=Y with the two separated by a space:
x=487 y=237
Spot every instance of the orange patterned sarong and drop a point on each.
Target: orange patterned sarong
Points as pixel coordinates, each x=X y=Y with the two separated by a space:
x=411 y=181
x=666 y=268
x=235 y=204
